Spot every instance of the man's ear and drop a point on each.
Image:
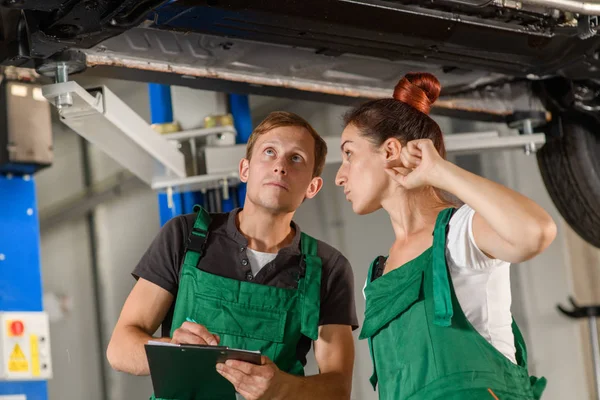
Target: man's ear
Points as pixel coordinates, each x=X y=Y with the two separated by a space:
x=390 y=151
x=314 y=187
x=244 y=170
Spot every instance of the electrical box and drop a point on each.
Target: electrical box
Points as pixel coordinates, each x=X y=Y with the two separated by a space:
x=24 y=346
x=25 y=128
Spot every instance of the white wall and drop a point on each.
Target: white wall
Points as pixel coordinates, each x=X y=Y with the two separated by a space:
x=67 y=271
x=554 y=341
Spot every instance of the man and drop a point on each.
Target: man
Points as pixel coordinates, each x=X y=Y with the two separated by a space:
x=250 y=279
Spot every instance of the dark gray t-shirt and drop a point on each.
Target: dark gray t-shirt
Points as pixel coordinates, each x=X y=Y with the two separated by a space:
x=226 y=256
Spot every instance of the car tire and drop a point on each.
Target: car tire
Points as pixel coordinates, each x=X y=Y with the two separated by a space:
x=569 y=163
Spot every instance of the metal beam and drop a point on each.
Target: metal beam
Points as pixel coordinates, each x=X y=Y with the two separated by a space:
x=108 y=123
x=201 y=182
x=223 y=160
x=490 y=141
x=201 y=132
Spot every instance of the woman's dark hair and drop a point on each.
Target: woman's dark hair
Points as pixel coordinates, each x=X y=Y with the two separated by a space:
x=405 y=116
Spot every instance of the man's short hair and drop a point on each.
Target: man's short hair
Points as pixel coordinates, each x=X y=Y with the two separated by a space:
x=279 y=119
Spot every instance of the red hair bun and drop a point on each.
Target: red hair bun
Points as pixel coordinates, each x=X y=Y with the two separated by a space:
x=419 y=90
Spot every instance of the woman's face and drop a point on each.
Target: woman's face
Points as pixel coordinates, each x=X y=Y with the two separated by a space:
x=362 y=173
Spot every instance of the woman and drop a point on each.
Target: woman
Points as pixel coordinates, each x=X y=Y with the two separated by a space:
x=437 y=313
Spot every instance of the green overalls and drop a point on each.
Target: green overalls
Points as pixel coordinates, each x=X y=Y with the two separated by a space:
x=422 y=345
x=247 y=315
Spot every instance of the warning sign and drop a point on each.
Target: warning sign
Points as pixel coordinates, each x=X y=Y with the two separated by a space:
x=17 y=361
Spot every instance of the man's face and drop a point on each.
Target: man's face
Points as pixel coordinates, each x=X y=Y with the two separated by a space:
x=279 y=173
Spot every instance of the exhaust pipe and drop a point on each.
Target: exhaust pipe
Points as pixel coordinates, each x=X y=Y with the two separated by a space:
x=581 y=7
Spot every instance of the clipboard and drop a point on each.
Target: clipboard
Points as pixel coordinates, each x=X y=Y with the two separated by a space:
x=188 y=372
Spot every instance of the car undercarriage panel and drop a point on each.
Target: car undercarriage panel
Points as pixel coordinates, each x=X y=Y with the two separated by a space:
x=338 y=49
x=493 y=39
x=466 y=34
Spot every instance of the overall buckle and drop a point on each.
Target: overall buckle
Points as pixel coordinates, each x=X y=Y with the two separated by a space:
x=197 y=240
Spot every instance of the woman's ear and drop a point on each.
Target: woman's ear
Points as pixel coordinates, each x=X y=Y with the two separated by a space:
x=390 y=151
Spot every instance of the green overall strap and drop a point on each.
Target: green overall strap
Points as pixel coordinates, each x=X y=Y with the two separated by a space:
x=197 y=240
x=373 y=378
x=310 y=288
x=442 y=299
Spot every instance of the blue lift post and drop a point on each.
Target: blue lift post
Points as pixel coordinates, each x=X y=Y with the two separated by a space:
x=161 y=108
x=161 y=112
x=20 y=276
x=239 y=107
